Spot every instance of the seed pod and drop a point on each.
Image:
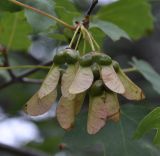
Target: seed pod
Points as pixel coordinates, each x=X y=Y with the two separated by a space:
x=36 y=106
x=82 y=81
x=101 y=108
x=66 y=113
x=86 y=60
x=112 y=104
x=102 y=59
x=96 y=71
x=72 y=56
x=79 y=99
x=97 y=88
x=67 y=80
x=59 y=58
x=132 y=91
x=50 y=82
x=111 y=80
x=97 y=114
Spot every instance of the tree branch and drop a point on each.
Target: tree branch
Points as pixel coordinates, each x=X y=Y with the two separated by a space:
x=19 y=78
x=34 y=81
x=94 y=3
x=6 y=63
x=43 y=13
x=21 y=151
x=128 y=70
x=24 y=67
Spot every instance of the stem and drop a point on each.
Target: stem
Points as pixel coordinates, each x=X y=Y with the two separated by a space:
x=74 y=36
x=128 y=70
x=29 y=80
x=84 y=47
x=78 y=41
x=95 y=42
x=94 y=3
x=43 y=13
x=25 y=67
x=18 y=79
x=85 y=32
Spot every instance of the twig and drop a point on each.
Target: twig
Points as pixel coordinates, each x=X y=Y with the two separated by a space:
x=19 y=78
x=29 y=80
x=78 y=40
x=20 y=151
x=74 y=36
x=6 y=63
x=43 y=13
x=128 y=70
x=94 y=3
x=87 y=34
x=24 y=67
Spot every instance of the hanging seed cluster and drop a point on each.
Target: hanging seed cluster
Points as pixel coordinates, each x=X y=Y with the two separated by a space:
x=95 y=75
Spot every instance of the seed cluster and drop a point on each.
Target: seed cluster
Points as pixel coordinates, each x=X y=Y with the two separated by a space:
x=94 y=75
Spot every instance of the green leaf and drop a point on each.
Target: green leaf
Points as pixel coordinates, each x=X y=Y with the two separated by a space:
x=110 y=29
x=5 y=5
x=14 y=31
x=98 y=34
x=68 y=4
x=66 y=10
x=37 y=21
x=151 y=121
x=134 y=17
x=148 y=72
x=115 y=138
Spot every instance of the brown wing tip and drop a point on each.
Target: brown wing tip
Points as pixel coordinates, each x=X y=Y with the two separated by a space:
x=115 y=117
x=91 y=131
x=66 y=127
x=25 y=109
x=142 y=95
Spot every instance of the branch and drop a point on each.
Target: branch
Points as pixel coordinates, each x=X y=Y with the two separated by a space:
x=20 y=151
x=34 y=81
x=87 y=16
x=19 y=78
x=43 y=13
x=128 y=70
x=25 y=67
x=94 y=3
x=6 y=63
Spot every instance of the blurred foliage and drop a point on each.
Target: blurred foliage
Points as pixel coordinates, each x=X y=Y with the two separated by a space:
x=7 y=6
x=115 y=138
x=38 y=22
x=132 y=16
x=151 y=121
x=148 y=72
x=11 y=27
